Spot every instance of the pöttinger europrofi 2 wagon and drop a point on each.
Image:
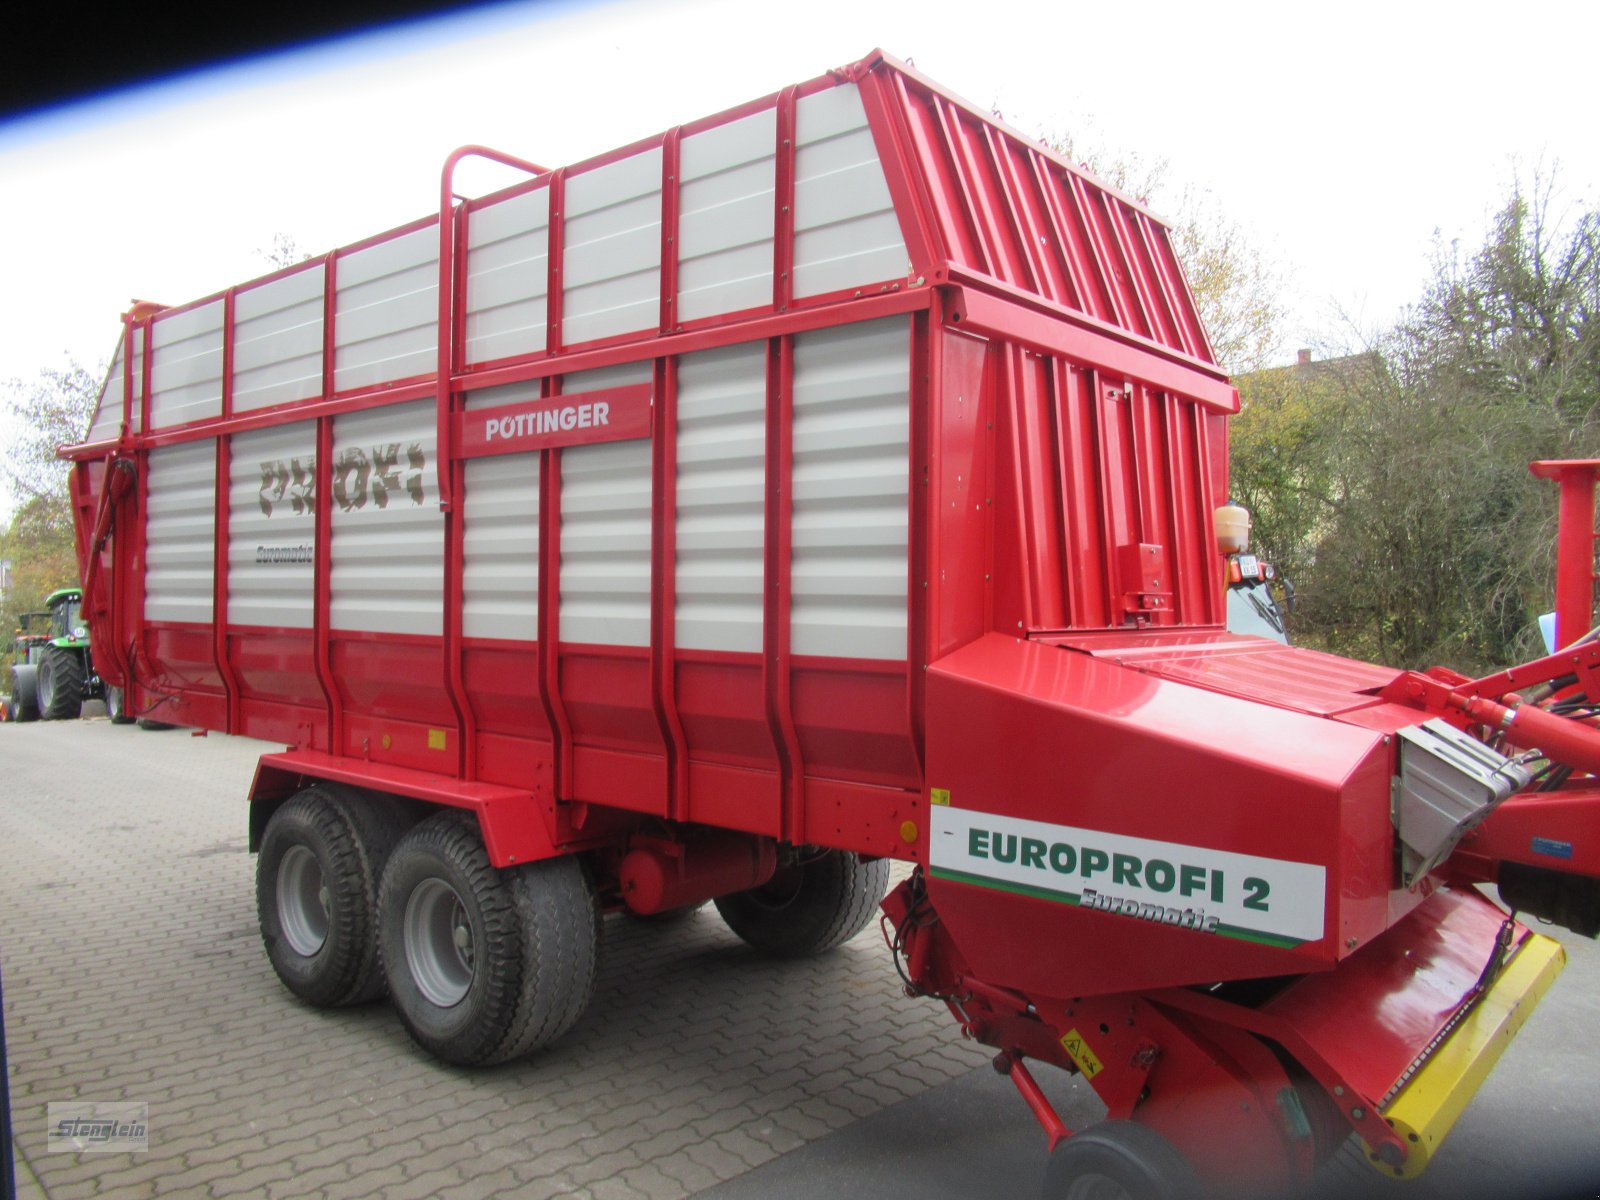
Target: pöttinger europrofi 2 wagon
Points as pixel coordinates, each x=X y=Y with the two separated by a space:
x=823 y=483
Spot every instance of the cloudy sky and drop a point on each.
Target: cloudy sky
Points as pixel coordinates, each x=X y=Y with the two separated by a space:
x=1346 y=141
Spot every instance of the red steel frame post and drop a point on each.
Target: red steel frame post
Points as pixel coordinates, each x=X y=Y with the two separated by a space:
x=777 y=679
x=924 y=385
x=783 y=198
x=775 y=658
x=452 y=472
x=449 y=337
x=136 y=568
x=549 y=619
x=223 y=521
x=129 y=328
x=555 y=706
x=671 y=155
x=445 y=344
x=121 y=548
x=663 y=587
x=322 y=516
x=555 y=261
x=882 y=98
x=664 y=503
x=1574 y=544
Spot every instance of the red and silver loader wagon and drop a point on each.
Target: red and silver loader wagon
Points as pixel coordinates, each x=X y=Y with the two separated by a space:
x=819 y=484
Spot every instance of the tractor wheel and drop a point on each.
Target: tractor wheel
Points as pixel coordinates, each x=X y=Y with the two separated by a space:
x=809 y=907
x=60 y=684
x=1119 y=1160
x=484 y=965
x=116 y=708
x=24 y=693
x=317 y=874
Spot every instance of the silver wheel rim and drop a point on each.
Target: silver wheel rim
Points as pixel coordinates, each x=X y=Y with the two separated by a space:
x=302 y=901
x=438 y=940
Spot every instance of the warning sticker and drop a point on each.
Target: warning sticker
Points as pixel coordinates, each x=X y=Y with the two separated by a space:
x=1079 y=1051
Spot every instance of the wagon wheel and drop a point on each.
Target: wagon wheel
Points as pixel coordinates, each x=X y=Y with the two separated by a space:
x=484 y=965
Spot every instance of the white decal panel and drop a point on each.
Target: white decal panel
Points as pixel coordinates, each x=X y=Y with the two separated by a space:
x=1244 y=896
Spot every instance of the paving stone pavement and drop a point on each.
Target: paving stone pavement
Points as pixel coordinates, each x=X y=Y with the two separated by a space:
x=132 y=970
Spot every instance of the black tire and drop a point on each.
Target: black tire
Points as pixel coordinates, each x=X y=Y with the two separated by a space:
x=24 y=693
x=1119 y=1160
x=322 y=856
x=115 y=708
x=667 y=917
x=810 y=907
x=484 y=965
x=60 y=684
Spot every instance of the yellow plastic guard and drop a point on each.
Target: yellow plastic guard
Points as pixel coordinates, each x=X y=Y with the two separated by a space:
x=1430 y=1104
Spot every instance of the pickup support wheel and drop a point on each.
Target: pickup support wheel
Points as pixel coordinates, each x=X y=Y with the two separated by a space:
x=809 y=907
x=317 y=874
x=484 y=965
x=1119 y=1160
x=60 y=684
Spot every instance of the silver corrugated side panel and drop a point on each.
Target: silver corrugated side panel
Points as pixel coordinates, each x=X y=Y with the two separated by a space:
x=721 y=498
x=611 y=264
x=388 y=533
x=726 y=197
x=846 y=233
x=272 y=523
x=186 y=366
x=180 y=524
x=852 y=429
x=277 y=341
x=605 y=529
x=387 y=311
x=500 y=539
x=107 y=422
x=508 y=277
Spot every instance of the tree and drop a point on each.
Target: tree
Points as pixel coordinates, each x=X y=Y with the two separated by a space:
x=1283 y=453
x=54 y=409
x=1237 y=288
x=1419 y=537
x=283 y=252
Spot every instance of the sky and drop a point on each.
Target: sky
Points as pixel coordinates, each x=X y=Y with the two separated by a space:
x=1347 y=143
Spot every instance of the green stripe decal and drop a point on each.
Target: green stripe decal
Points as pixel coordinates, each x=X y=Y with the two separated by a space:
x=1074 y=899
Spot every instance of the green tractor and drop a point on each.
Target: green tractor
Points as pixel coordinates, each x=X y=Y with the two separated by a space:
x=53 y=671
